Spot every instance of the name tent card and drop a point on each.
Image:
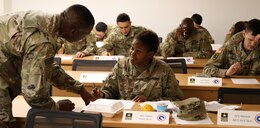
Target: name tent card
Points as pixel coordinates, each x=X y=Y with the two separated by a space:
x=241 y=118
x=108 y=57
x=146 y=117
x=188 y=60
x=207 y=81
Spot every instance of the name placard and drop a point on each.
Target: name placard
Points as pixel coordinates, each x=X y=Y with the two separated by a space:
x=188 y=60
x=146 y=117
x=241 y=118
x=207 y=81
x=108 y=57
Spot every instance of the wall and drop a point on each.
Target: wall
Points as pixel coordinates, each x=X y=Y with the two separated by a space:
x=159 y=15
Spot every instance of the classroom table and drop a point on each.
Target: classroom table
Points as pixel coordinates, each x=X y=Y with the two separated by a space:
x=67 y=59
x=20 y=109
x=207 y=93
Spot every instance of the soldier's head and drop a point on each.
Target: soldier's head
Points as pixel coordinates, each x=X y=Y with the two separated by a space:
x=100 y=30
x=197 y=20
x=187 y=26
x=251 y=34
x=238 y=27
x=75 y=23
x=124 y=23
x=144 y=46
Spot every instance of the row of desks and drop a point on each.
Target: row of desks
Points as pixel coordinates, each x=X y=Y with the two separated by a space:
x=20 y=109
x=207 y=93
x=66 y=63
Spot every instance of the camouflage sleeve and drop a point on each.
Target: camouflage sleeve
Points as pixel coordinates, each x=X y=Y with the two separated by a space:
x=171 y=88
x=168 y=46
x=110 y=85
x=215 y=64
x=91 y=46
x=108 y=43
x=205 y=49
x=37 y=69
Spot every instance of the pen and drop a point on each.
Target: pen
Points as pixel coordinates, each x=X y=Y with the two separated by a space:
x=94 y=87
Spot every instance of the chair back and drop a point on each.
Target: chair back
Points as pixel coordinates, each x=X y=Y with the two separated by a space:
x=93 y=65
x=239 y=95
x=42 y=118
x=177 y=65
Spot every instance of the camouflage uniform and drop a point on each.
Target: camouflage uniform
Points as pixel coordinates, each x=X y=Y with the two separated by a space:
x=197 y=45
x=235 y=39
x=211 y=41
x=157 y=82
x=28 y=43
x=231 y=53
x=87 y=45
x=119 y=43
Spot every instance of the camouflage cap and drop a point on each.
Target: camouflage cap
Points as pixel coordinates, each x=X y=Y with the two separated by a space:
x=191 y=109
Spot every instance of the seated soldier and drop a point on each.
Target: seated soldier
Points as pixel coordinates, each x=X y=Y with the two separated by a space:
x=141 y=77
x=186 y=41
x=238 y=58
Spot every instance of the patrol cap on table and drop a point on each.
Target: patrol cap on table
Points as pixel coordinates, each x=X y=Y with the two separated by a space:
x=191 y=109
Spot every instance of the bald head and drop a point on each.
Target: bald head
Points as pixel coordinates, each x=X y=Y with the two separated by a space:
x=76 y=22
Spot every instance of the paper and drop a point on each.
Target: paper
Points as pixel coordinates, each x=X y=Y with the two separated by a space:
x=215 y=46
x=214 y=106
x=244 y=81
x=207 y=120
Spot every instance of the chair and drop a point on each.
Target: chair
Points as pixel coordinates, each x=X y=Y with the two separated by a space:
x=93 y=65
x=239 y=95
x=57 y=61
x=178 y=65
x=42 y=118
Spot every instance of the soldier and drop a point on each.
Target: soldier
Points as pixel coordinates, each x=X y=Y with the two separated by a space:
x=119 y=41
x=87 y=45
x=28 y=43
x=197 y=20
x=141 y=77
x=238 y=58
x=186 y=41
x=97 y=35
x=236 y=28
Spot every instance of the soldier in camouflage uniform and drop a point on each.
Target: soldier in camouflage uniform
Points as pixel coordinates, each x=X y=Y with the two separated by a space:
x=186 y=41
x=28 y=44
x=98 y=34
x=238 y=57
x=141 y=77
x=197 y=20
x=119 y=41
x=237 y=27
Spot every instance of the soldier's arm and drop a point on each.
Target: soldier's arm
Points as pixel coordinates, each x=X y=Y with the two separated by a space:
x=37 y=69
x=108 y=44
x=215 y=64
x=110 y=85
x=168 y=47
x=171 y=88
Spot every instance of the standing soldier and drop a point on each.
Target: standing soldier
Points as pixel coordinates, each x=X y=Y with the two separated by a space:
x=28 y=44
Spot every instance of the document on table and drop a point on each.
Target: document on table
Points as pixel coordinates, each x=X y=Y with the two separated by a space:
x=245 y=81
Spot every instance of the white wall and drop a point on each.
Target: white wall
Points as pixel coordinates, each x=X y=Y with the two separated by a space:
x=159 y=15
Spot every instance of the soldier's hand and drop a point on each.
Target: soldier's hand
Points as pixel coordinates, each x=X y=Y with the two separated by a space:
x=87 y=97
x=66 y=105
x=97 y=93
x=257 y=38
x=233 y=69
x=139 y=98
x=80 y=55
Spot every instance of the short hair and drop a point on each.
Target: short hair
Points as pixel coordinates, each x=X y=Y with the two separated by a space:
x=101 y=27
x=197 y=18
x=239 y=26
x=187 y=21
x=253 y=26
x=123 y=17
x=84 y=16
x=149 y=39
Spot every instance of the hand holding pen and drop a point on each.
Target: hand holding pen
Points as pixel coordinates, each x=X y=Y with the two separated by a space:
x=96 y=92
